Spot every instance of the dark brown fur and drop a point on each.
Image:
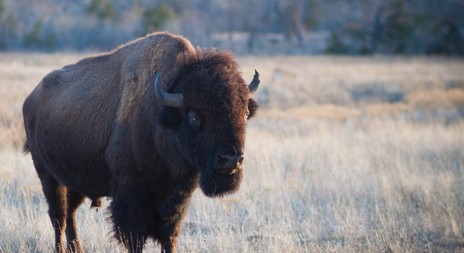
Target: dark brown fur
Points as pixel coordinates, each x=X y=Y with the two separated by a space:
x=97 y=129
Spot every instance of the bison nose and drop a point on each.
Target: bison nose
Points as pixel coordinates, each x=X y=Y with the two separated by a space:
x=228 y=162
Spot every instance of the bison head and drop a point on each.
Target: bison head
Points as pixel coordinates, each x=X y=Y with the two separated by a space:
x=208 y=108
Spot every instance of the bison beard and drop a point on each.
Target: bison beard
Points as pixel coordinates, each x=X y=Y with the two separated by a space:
x=145 y=124
x=214 y=185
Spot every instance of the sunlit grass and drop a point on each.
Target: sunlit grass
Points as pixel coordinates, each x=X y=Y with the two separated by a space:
x=345 y=155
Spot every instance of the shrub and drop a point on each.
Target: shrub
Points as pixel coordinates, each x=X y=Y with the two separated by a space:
x=36 y=38
x=154 y=18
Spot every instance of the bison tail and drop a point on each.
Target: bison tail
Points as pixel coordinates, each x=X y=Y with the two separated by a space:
x=26 y=148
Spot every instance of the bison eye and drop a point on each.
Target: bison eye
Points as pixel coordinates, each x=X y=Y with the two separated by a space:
x=194 y=119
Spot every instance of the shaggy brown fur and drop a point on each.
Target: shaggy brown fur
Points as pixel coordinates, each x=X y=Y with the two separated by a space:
x=96 y=128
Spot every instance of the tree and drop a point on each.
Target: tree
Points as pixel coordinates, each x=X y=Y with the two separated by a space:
x=290 y=14
x=37 y=38
x=7 y=26
x=153 y=19
x=102 y=9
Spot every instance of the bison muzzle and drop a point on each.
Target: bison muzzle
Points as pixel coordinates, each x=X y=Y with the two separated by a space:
x=144 y=124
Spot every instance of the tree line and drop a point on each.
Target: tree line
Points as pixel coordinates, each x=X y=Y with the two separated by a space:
x=244 y=26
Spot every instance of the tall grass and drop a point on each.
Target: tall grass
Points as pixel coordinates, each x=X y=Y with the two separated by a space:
x=345 y=155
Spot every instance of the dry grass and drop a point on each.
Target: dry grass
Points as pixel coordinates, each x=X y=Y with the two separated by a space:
x=346 y=155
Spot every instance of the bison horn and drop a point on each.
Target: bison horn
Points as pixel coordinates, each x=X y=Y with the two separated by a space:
x=168 y=99
x=253 y=86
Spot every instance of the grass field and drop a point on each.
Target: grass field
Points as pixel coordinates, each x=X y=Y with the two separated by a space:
x=345 y=155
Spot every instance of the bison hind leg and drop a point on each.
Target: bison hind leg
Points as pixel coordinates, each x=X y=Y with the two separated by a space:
x=74 y=200
x=62 y=206
x=55 y=193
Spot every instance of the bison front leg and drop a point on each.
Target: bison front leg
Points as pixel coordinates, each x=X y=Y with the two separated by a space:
x=130 y=236
x=172 y=212
x=134 y=243
x=130 y=220
x=167 y=234
x=168 y=245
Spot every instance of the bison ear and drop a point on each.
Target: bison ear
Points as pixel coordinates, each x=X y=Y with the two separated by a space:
x=169 y=117
x=252 y=108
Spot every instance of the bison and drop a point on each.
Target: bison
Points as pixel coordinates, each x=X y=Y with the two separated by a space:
x=144 y=124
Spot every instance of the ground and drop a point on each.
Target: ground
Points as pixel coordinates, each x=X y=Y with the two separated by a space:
x=346 y=154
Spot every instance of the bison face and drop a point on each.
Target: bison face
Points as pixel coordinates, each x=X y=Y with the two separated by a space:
x=210 y=121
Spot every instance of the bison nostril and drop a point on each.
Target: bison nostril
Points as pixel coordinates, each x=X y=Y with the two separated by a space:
x=222 y=159
x=229 y=161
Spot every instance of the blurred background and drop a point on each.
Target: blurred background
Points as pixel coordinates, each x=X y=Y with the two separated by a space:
x=258 y=27
x=360 y=151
